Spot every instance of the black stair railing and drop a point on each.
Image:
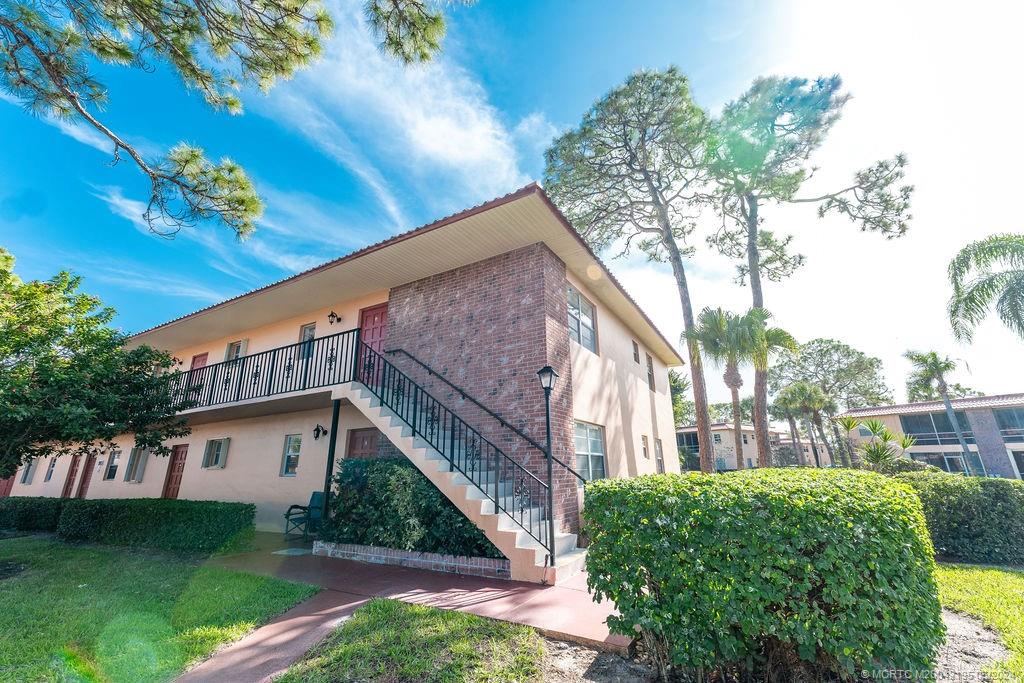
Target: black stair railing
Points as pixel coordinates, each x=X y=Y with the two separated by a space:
x=305 y=365
x=512 y=488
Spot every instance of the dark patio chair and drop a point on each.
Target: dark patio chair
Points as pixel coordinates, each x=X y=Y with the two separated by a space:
x=306 y=518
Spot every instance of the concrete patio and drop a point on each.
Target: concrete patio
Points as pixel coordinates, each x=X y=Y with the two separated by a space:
x=563 y=612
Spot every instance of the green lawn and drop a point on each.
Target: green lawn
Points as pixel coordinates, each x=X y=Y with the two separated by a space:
x=387 y=640
x=995 y=595
x=103 y=614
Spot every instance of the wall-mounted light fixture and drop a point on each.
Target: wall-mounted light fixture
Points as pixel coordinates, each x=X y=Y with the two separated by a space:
x=333 y=317
x=319 y=431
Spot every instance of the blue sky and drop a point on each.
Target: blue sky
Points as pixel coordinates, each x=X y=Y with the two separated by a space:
x=357 y=148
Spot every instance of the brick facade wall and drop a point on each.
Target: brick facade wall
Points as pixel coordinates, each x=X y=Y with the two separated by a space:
x=991 y=446
x=488 y=327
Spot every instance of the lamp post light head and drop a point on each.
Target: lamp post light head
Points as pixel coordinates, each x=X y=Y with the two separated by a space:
x=547 y=376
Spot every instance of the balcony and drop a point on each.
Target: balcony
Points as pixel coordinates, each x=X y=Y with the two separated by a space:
x=1012 y=435
x=317 y=363
x=941 y=438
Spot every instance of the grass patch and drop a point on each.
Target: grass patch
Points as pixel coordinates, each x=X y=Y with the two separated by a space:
x=103 y=614
x=387 y=640
x=995 y=595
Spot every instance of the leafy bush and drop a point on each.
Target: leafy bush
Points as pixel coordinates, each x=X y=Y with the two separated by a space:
x=972 y=518
x=26 y=513
x=807 y=572
x=389 y=503
x=189 y=526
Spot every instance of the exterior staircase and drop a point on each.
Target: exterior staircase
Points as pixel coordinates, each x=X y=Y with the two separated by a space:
x=512 y=528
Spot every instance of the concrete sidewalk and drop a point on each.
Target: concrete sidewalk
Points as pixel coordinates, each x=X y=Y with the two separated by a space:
x=563 y=612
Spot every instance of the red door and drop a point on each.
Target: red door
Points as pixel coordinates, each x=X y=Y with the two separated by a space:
x=83 y=486
x=6 y=485
x=174 y=470
x=362 y=443
x=69 y=483
x=199 y=360
x=373 y=322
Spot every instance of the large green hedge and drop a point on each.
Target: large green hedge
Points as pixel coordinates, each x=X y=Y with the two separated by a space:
x=765 y=571
x=389 y=503
x=972 y=518
x=190 y=526
x=28 y=513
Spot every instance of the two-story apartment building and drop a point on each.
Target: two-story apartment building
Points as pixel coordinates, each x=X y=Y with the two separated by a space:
x=424 y=346
x=723 y=444
x=993 y=427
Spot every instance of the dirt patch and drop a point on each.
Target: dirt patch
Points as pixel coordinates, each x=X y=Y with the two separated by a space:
x=969 y=649
x=571 y=663
x=9 y=569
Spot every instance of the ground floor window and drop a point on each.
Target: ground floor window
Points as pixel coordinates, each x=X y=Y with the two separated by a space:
x=136 y=464
x=49 y=469
x=290 y=458
x=590 y=450
x=216 y=454
x=28 y=471
x=1018 y=458
x=113 y=460
x=953 y=462
x=659 y=456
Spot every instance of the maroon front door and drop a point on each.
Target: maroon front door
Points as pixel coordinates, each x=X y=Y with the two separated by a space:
x=362 y=443
x=174 y=470
x=6 y=485
x=373 y=323
x=199 y=361
x=69 y=483
x=83 y=486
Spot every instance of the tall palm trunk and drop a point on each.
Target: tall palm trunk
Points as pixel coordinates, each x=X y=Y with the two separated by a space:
x=700 y=393
x=794 y=435
x=734 y=381
x=757 y=299
x=814 y=444
x=841 y=446
x=821 y=432
x=944 y=392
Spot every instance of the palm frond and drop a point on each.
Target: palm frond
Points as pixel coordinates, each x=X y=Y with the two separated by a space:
x=1010 y=305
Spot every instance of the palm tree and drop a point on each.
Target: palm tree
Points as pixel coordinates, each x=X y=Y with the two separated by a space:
x=849 y=423
x=786 y=407
x=930 y=368
x=770 y=340
x=976 y=288
x=811 y=402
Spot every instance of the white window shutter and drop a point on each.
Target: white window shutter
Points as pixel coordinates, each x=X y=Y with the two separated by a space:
x=140 y=468
x=226 y=441
x=244 y=348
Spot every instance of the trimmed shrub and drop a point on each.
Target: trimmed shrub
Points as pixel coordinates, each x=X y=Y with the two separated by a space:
x=30 y=513
x=183 y=526
x=972 y=518
x=902 y=464
x=389 y=503
x=785 y=573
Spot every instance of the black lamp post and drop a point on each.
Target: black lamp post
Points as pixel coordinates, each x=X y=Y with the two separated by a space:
x=547 y=377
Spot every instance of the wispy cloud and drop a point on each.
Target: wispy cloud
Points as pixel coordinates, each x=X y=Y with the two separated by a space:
x=431 y=125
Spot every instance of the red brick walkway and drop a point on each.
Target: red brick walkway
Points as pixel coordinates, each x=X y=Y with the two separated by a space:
x=564 y=612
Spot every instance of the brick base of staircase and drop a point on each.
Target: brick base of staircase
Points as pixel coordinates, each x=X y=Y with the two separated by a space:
x=453 y=564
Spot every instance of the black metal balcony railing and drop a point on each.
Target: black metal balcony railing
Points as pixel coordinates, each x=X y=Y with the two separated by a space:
x=310 y=364
x=341 y=358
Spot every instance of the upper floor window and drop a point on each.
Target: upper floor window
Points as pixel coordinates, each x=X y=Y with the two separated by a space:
x=28 y=471
x=650 y=372
x=744 y=439
x=1011 y=423
x=582 y=320
x=589 y=442
x=863 y=431
x=136 y=464
x=644 y=446
x=112 y=462
x=216 y=454
x=290 y=457
x=236 y=350
x=49 y=469
x=659 y=457
x=716 y=437
x=636 y=352
x=931 y=429
x=306 y=335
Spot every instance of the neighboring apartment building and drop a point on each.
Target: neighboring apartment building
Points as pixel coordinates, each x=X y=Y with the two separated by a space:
x=427 y=346
x=993 y=427
x=724 y=442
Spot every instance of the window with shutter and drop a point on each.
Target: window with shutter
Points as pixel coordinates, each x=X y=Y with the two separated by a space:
x=216 y=454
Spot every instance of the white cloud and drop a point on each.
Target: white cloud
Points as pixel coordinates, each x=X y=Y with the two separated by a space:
x=431 y=123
